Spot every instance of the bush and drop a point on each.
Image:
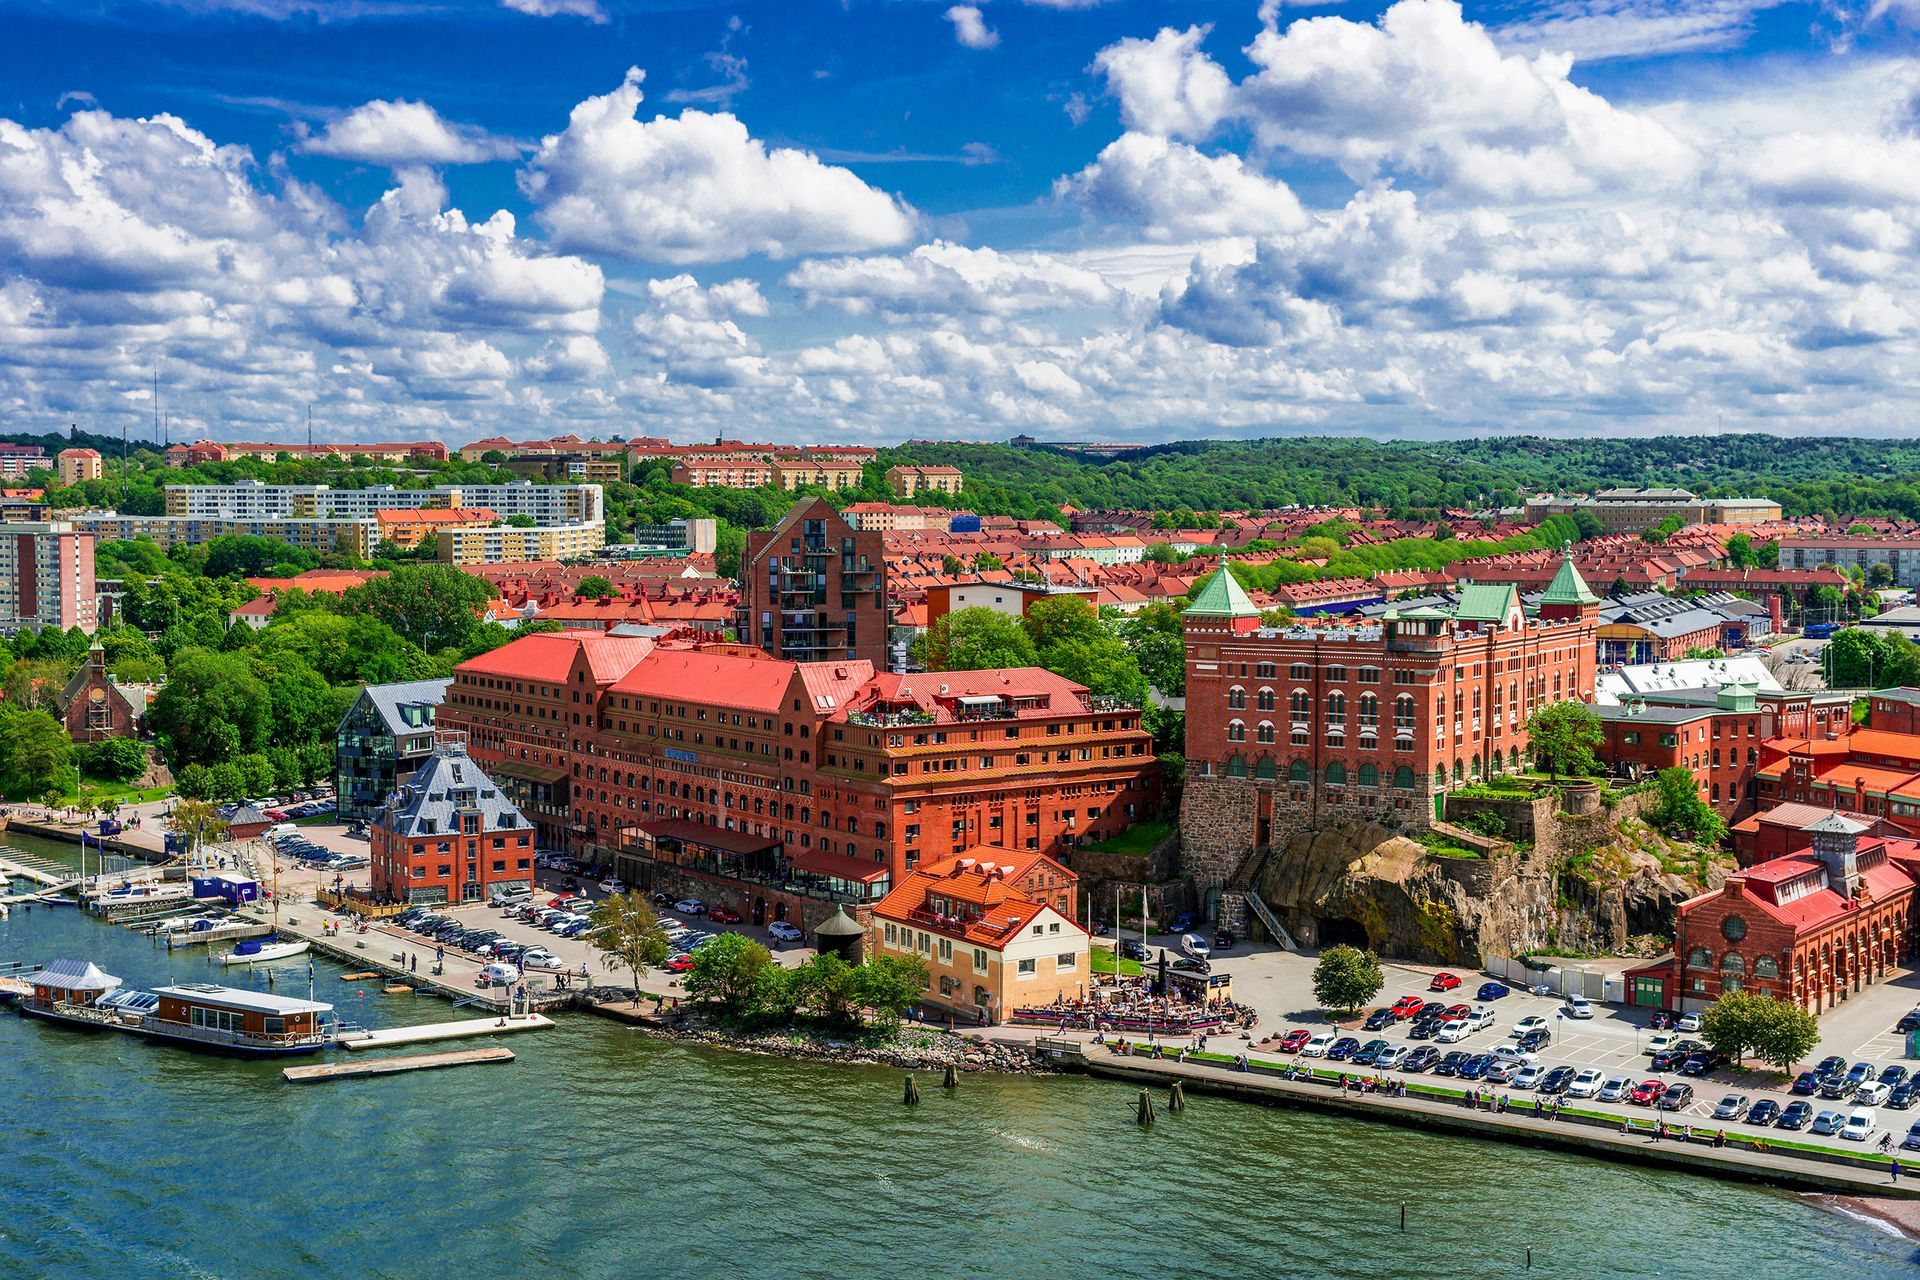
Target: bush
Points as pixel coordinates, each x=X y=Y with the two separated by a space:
x=115 y=760
x=1484 y=822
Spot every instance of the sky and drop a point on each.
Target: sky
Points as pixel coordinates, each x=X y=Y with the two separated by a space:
x=876 y=220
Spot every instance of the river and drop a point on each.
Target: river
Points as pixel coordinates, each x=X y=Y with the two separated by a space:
x=603 y=1152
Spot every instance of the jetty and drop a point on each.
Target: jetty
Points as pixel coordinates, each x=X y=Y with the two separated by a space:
x=220 y=933
x=436 y=1031
x=396 y=1066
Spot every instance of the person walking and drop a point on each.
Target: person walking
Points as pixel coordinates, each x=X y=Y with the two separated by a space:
x=1893 y=1167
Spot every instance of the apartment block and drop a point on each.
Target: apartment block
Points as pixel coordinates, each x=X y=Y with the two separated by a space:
x=46 y=577
x=813 y=588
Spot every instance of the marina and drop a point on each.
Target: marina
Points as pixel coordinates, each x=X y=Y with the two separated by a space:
x=200 y=1014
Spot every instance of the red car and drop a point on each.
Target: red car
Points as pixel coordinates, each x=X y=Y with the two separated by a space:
x=679 y=963
x=1406 y=1006
x=1459 y=1010
x=1648 y=1092
x=1443 y=982
x=723 y=915
x=1295 y=1040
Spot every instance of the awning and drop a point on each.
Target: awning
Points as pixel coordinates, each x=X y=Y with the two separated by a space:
x=839 y=866
x=73 y=975
x=704 y=836
x=528 y=771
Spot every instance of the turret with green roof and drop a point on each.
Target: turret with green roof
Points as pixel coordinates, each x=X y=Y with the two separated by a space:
x=1223 y=597
x=1568 y=596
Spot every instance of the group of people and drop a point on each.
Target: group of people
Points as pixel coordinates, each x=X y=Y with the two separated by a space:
x=1134 y=1009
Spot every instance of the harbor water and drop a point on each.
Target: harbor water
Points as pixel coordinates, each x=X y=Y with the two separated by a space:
x=604 y=1152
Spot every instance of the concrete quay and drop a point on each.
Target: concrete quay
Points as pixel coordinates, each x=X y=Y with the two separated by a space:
x=1862 y=1175
x=436 y=1031
x=396 y=1066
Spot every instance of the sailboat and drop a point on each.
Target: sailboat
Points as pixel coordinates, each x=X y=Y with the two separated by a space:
x=270 y=948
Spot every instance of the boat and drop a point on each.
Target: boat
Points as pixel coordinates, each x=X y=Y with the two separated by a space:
x=262 y=951
x=199 y=1014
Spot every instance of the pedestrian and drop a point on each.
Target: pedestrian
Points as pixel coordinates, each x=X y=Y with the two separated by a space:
x=1624 y=1124
x=1894 y=1168
x=1537 y=1108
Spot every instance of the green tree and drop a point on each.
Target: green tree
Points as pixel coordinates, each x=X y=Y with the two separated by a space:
x=1589 y=527
x=1665 y=529
x=888 y=985
x=1680 y=812
x=626 y=932
x=726 y=971
x=830 y=989
x=1743 y=1022
x=198 y=821
x=987 y=560
x=36 y=755
x=256 y=773
x=595 y=587
x=212 y=708
x=1563 y=737
x=115 y=759
x=1786 y=1035
x=194 y=782
x=1159 y=647
x=229 y=781
x=243 y=555
x=1346 y=978
x=434 y=606
x=977 y=639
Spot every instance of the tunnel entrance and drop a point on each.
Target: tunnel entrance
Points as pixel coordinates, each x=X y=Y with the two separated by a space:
x=1334 y=931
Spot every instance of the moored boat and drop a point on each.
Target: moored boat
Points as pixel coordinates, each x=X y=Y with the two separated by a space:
x=200 y=1014
x=262 y=951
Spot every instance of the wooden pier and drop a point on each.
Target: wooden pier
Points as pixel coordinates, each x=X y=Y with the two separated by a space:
x=224 y=933
x=434 y=1031
x=396 y=1066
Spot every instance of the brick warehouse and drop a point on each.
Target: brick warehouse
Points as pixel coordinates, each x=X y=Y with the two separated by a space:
x=1292 y=726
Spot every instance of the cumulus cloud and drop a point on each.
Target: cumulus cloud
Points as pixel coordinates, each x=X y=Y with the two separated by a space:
x=970 y=29
x=1167 y=85
x=946 y=279
x=697 y=188
x=1170 y=191
x=401 y=133
x=588 y=9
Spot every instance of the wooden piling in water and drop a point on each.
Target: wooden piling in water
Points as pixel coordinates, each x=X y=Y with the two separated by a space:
x=912 y=1097
x=952 y=1080
x=1144 y=1115
x=1176 y=1098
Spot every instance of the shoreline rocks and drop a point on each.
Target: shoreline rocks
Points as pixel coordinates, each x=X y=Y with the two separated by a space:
x=912 y=1047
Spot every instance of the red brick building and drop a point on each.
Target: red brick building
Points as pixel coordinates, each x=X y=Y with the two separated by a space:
x=1377 y=717
x=814 y=589
x=1871 y=771
x=1814 y=928
x=1788 y=828
x=449 y=834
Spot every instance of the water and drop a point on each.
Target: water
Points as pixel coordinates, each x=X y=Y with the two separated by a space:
x=602 y=1152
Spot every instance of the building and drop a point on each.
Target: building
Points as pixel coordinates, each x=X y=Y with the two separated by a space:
x=94 y=706
x=462 y=543
x=408 y=529
x=22 y=506
x=823 y=471
x=1289 y=726
x=1900 y=553
x=382 y=740
x=1655 y=627
x=908 y=481
x=575 y=468
x=544 y=504
x=887 y=517
x=18 y=459
x=1637 y=510
x=449 y=834
x=814 y=589
x=356 y=537
x=1014 y=599
x=46 y=577
x=1788 y=828
x=989 y=948
x=1814 y=928
x=1870 y=771
x=75 y=465
x=723 y=473
x=404 y=452
x=569 y=445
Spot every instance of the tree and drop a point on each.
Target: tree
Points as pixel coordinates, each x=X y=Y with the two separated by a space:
x=36 y=755
x=1860 y=658
x=1742 y=1022
x=1680 y=812
x=1589 y=526
x=212 y=708
x=977 y=639
x=726 y=971
x=1562 y=737
x=1346 y=978
x=626 y=931
x=889 y=984
x=1159 y=647
x=435 y=606
x=830 y=988
x=987 y=560
x=116 y=759
x=244 y=555
x=1665 y=529
x=199 y=821
x=194 y=782
x=595 y=587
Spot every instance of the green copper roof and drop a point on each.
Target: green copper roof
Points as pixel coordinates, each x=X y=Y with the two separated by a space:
x=1485 y=602
x=1568 y=587
x=1422 y=613
x=1222 y=597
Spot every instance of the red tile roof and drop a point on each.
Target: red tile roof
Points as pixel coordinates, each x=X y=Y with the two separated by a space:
x=548 y=658
x=729 y=680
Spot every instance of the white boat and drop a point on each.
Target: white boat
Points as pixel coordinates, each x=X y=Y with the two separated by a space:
x=262 y=951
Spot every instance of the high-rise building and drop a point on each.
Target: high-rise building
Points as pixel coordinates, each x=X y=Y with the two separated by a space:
x=75 y=465
x=814 y=589
x=46 y=577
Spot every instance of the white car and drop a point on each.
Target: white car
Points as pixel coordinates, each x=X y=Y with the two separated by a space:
x=1453 y=1031
x=613 y=884
x=1579 y=1007
x=1479 y=1018
x=1872 y=1094
x=1860 y=1125
x=1529 y=1077
x=497 y=975
x=1317 y=1046
x=1518 y=1057
x=690 y=907
x=1661 y=1040
x=788 y=933
x=1586 y=1084
x=1615 y=1089
x=1532 y=1022
x=1688 y=1022
x=539 y=958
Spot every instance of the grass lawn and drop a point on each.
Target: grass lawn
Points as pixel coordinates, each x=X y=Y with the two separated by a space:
x=1138 y=839
x=118 y=792
x=1103 y=961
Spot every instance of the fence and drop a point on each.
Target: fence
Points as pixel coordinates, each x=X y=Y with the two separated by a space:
x=357 y=906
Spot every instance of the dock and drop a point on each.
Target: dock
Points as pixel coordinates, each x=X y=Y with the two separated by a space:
x=395 y=1066
x=224 y=933
x=436 y=1031
x=16 y=864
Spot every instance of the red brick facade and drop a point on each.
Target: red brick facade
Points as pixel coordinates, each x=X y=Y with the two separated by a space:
x=814 y=589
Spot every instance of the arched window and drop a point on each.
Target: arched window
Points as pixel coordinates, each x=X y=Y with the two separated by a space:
x=1369 y=712
x=1439 y=775
x=1264 y=769
x=1403 y=714
x=1265 y=732
x=1337 y=708
x=1236 y=731
x=1336 y=774
x=1298 y=772
x=1300 y=671
x=1264 y=670
x=1513 y=758
x=1459 y=774
x=1300 y=704
x=1403 y=777
x=1370 y=775
x=1236 y=766
x=1699 y=958
x=1476 y=764
x=1766 y=967
x=1264 y=700
x=1237 y=698
x=1732 y=963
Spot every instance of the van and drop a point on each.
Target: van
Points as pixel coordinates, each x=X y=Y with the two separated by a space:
x=1860 y=1125
x=283 y=829
x=497 y=975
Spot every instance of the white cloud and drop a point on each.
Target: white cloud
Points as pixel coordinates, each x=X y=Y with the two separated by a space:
x=588 y=9
x=395 y=134
x=948 y=279
x=970 y=29
x=1596 y=30
x=1167 y=85
x=697 y=188
x=1171 y=191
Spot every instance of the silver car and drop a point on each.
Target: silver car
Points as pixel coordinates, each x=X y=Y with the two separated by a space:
x=1615 y=1089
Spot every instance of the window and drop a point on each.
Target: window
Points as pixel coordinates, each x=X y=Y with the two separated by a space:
x=1236 y=731
x=1300 y=671
x=1066 y=962
x=1028 y=968
x=1298 y=771
x=1699 y=958
x=1369 y=675
x=1265 y=732
x=1732 y=963
x=1336 y=774
x=1766 y=967
x=1369 y=775
x=1403 y=777
x=1237 y=698
x=1236 y=766
x=1300 y=706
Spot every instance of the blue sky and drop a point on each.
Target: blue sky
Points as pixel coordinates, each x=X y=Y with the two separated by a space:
x=881 y=218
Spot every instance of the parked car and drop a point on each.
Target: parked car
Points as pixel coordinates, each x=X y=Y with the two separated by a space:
x=1480 y=1018
x=1804 y=1085
x=1701 y=1062
x=1894 y=1076
x=1579 y=1007
x=1834 y=1088
x=1832 y=1065
x=1407 y=1006
x=1795 y=1115
x=1196 y=946
x=496 y=975
x=1648 y=1092
x=1678 y=1097
x=1392 y=1057
x=1317 y=1045
x=785 y=932
x=1861 y=1072
x=1476 y=1067
x=1450 y=1062
x=1586 y=1083
x=1342 y=1049
x=1556 y=1081
x=1295 y=1040
x=1532 y=1022
x=1615 y=1089
x=1872 y=1094
x=1459 y=1010
x=1131 y=948
x=1453 y=1032
x=1661 y=1020
x=1491 y=991
x=1663 y=1041
x=1423 y=1058
x=1191 y=964
x=1688 y=1022
x=1380 y=1019
x=1732 y=1107
x=1903 y=1094
x=720 y=915
x=690 y=907
x=1763 y=1112
x=1828 y=1122
x=539 y=958
x=1528 y=1077
x=1909 y=1021
x=1912 y=1141
x=1181 y=923
x=1501 y=1071
x=1223 y=939
x=1444 y=982
x=1431 y=1009
x=679 y=962
x=1538 y=1038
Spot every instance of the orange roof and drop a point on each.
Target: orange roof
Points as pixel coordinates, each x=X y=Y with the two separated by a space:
x=437 y=515
x=752 y=684
x=331 y=581
x=967 y=900
x=549 y=657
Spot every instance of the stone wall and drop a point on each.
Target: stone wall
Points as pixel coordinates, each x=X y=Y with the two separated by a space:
x=1219 y=820
x=1523 y=815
